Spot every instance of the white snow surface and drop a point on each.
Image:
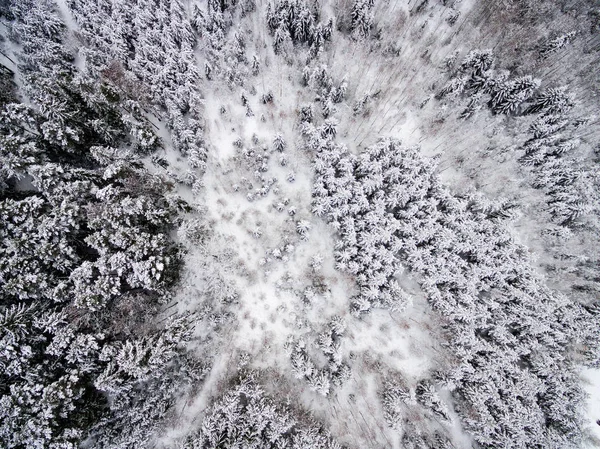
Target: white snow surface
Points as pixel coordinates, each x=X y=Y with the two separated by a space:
x=591 y=378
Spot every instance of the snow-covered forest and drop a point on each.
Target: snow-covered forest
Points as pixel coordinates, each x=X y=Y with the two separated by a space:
x=299 y=224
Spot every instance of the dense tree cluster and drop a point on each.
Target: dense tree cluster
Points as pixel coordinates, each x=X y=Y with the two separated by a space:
x=78 y=109
x=93 y=350
x=85 y=257
x=297 y=22
x=246 y=417
x=362 y=18
x=146 y=51
x=564 y=179
x=226 y=51
x=510 y=334
x=358 y=194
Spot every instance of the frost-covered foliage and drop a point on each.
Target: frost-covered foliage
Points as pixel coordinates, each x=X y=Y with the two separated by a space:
x=362 y=18
x=108 y=110
x=394 y=399
x=564 y=179
x=553 y=45
x=509 y=333
x=226 y=54
x=297 y=22
x=61 y=383
x=335 y=373
x=475 y=77
x=403 y=406
x=429 y=398
x=142 y=378
x=84 y=234
x=79 y=110
x=246 y=417
x=46 y=398
x=145 y=50
x=566 y=182
x=85 y=257
x=330 y=93
x=358 y=196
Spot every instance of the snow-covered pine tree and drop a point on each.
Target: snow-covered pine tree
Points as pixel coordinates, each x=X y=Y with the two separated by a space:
x=362 y=18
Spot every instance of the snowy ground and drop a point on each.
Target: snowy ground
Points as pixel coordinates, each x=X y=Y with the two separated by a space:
x=591 y=378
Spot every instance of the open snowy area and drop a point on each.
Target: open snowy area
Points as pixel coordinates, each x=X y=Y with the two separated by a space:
x=299 y=224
